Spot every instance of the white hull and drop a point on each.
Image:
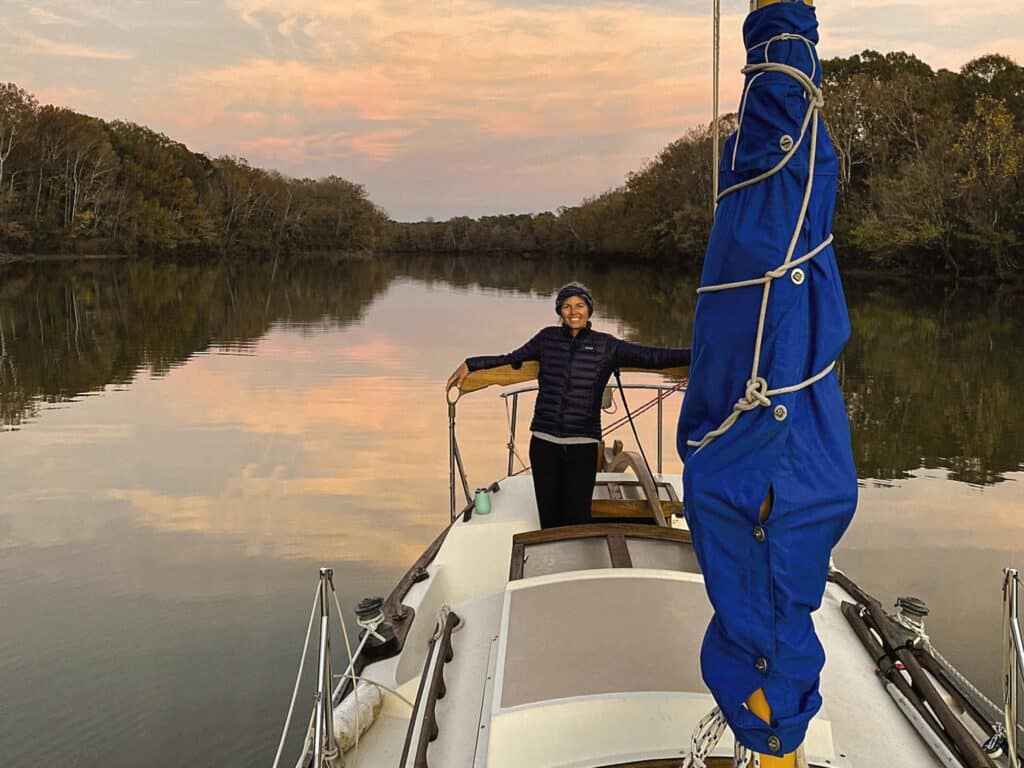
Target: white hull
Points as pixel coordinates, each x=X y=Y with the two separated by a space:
x=581 y=664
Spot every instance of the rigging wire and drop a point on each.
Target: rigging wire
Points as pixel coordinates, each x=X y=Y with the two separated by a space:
x=645 y=407
x=298 y=678
x=716 y=44
x=629 y=416
x=350 y=670
x=662 y=395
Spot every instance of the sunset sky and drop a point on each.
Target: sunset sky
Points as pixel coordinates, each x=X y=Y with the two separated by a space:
x=439 y=107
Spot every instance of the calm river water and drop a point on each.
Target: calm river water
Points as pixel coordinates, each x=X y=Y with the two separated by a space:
x=183 y=446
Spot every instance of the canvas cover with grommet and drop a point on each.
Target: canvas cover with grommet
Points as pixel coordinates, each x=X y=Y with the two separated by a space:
x=789 y=430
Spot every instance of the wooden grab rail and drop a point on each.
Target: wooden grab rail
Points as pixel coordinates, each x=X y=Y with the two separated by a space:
x=432 y=687
x=506 y=375
x=867 y=618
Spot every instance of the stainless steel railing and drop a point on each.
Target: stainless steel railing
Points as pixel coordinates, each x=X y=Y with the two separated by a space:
x=325 y=747
x=456 y=467
x=1013 y=659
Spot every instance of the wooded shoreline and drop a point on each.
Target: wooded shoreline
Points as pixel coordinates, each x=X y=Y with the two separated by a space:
x=901 y=276
x=931 y=184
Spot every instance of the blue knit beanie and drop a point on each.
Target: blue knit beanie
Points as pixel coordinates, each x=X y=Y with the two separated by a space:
x=573 y=289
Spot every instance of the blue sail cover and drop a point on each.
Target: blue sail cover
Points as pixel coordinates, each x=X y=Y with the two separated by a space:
x=765 y=580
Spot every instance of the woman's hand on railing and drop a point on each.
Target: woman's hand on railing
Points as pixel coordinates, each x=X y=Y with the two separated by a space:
x=457 y=377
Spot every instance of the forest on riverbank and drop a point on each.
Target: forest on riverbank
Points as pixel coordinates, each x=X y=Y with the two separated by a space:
x=931 y=182
x=71 y=183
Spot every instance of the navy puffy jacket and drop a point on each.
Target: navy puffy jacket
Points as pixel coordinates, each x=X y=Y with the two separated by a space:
x=574 y=372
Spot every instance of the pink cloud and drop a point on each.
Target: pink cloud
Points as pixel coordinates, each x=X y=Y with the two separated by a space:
x=358 y=88
x=494 y=70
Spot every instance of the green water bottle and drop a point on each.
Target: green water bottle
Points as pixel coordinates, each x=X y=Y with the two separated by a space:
x=483 y=501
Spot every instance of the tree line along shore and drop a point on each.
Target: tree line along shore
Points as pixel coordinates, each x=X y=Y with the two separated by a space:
x=931 y=183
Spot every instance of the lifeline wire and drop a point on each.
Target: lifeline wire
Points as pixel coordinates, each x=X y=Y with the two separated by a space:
x=640 y=445
x=662 y=395
x=350 y=670
x=716 y=46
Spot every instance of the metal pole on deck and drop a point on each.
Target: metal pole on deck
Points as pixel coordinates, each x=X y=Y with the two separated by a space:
x=451 y=458
x=714 y=98
x=512 y=433
x=462 y=472
x=660 y=409
x=1013 y=658
x=325 y=748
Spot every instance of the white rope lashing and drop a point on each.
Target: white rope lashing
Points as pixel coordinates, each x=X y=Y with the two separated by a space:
x=705 y=738
x=757 y=392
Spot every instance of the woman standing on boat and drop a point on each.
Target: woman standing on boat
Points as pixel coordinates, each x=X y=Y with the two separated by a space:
x=575 y=365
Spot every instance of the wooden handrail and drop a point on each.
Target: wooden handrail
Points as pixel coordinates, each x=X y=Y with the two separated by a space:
x=636 y=463
x=432 y=687
x=506 y=375
x=921 y=692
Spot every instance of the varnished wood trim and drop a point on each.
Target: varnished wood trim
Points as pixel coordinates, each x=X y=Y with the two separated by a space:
x=437 y=690
x=631 y=508
x=674 y=762
x=515 y=569
x=566 y=532
x=615 y=534
x=501 y=376
x=396 y=613
x=951 y=686
x=506 y=375
x=393 y=607
x=634 y=461
x=618 y=551
x=420 y=691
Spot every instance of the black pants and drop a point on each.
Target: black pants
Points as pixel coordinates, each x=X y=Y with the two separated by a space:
x=563 y=479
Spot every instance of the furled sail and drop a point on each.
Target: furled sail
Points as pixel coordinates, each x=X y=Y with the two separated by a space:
x=763 y=424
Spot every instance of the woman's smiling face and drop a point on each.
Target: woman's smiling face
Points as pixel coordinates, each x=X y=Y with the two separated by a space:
x=575 y=313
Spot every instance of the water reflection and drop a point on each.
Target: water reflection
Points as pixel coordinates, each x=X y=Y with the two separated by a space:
x=161 y=521
x=70 y=328
x=929 y=375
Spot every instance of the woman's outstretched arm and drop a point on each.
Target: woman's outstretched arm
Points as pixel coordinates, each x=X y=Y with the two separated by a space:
x=529 y=351
x=628 y=354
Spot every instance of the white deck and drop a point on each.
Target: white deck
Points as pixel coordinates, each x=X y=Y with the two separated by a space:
x=571 y=708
